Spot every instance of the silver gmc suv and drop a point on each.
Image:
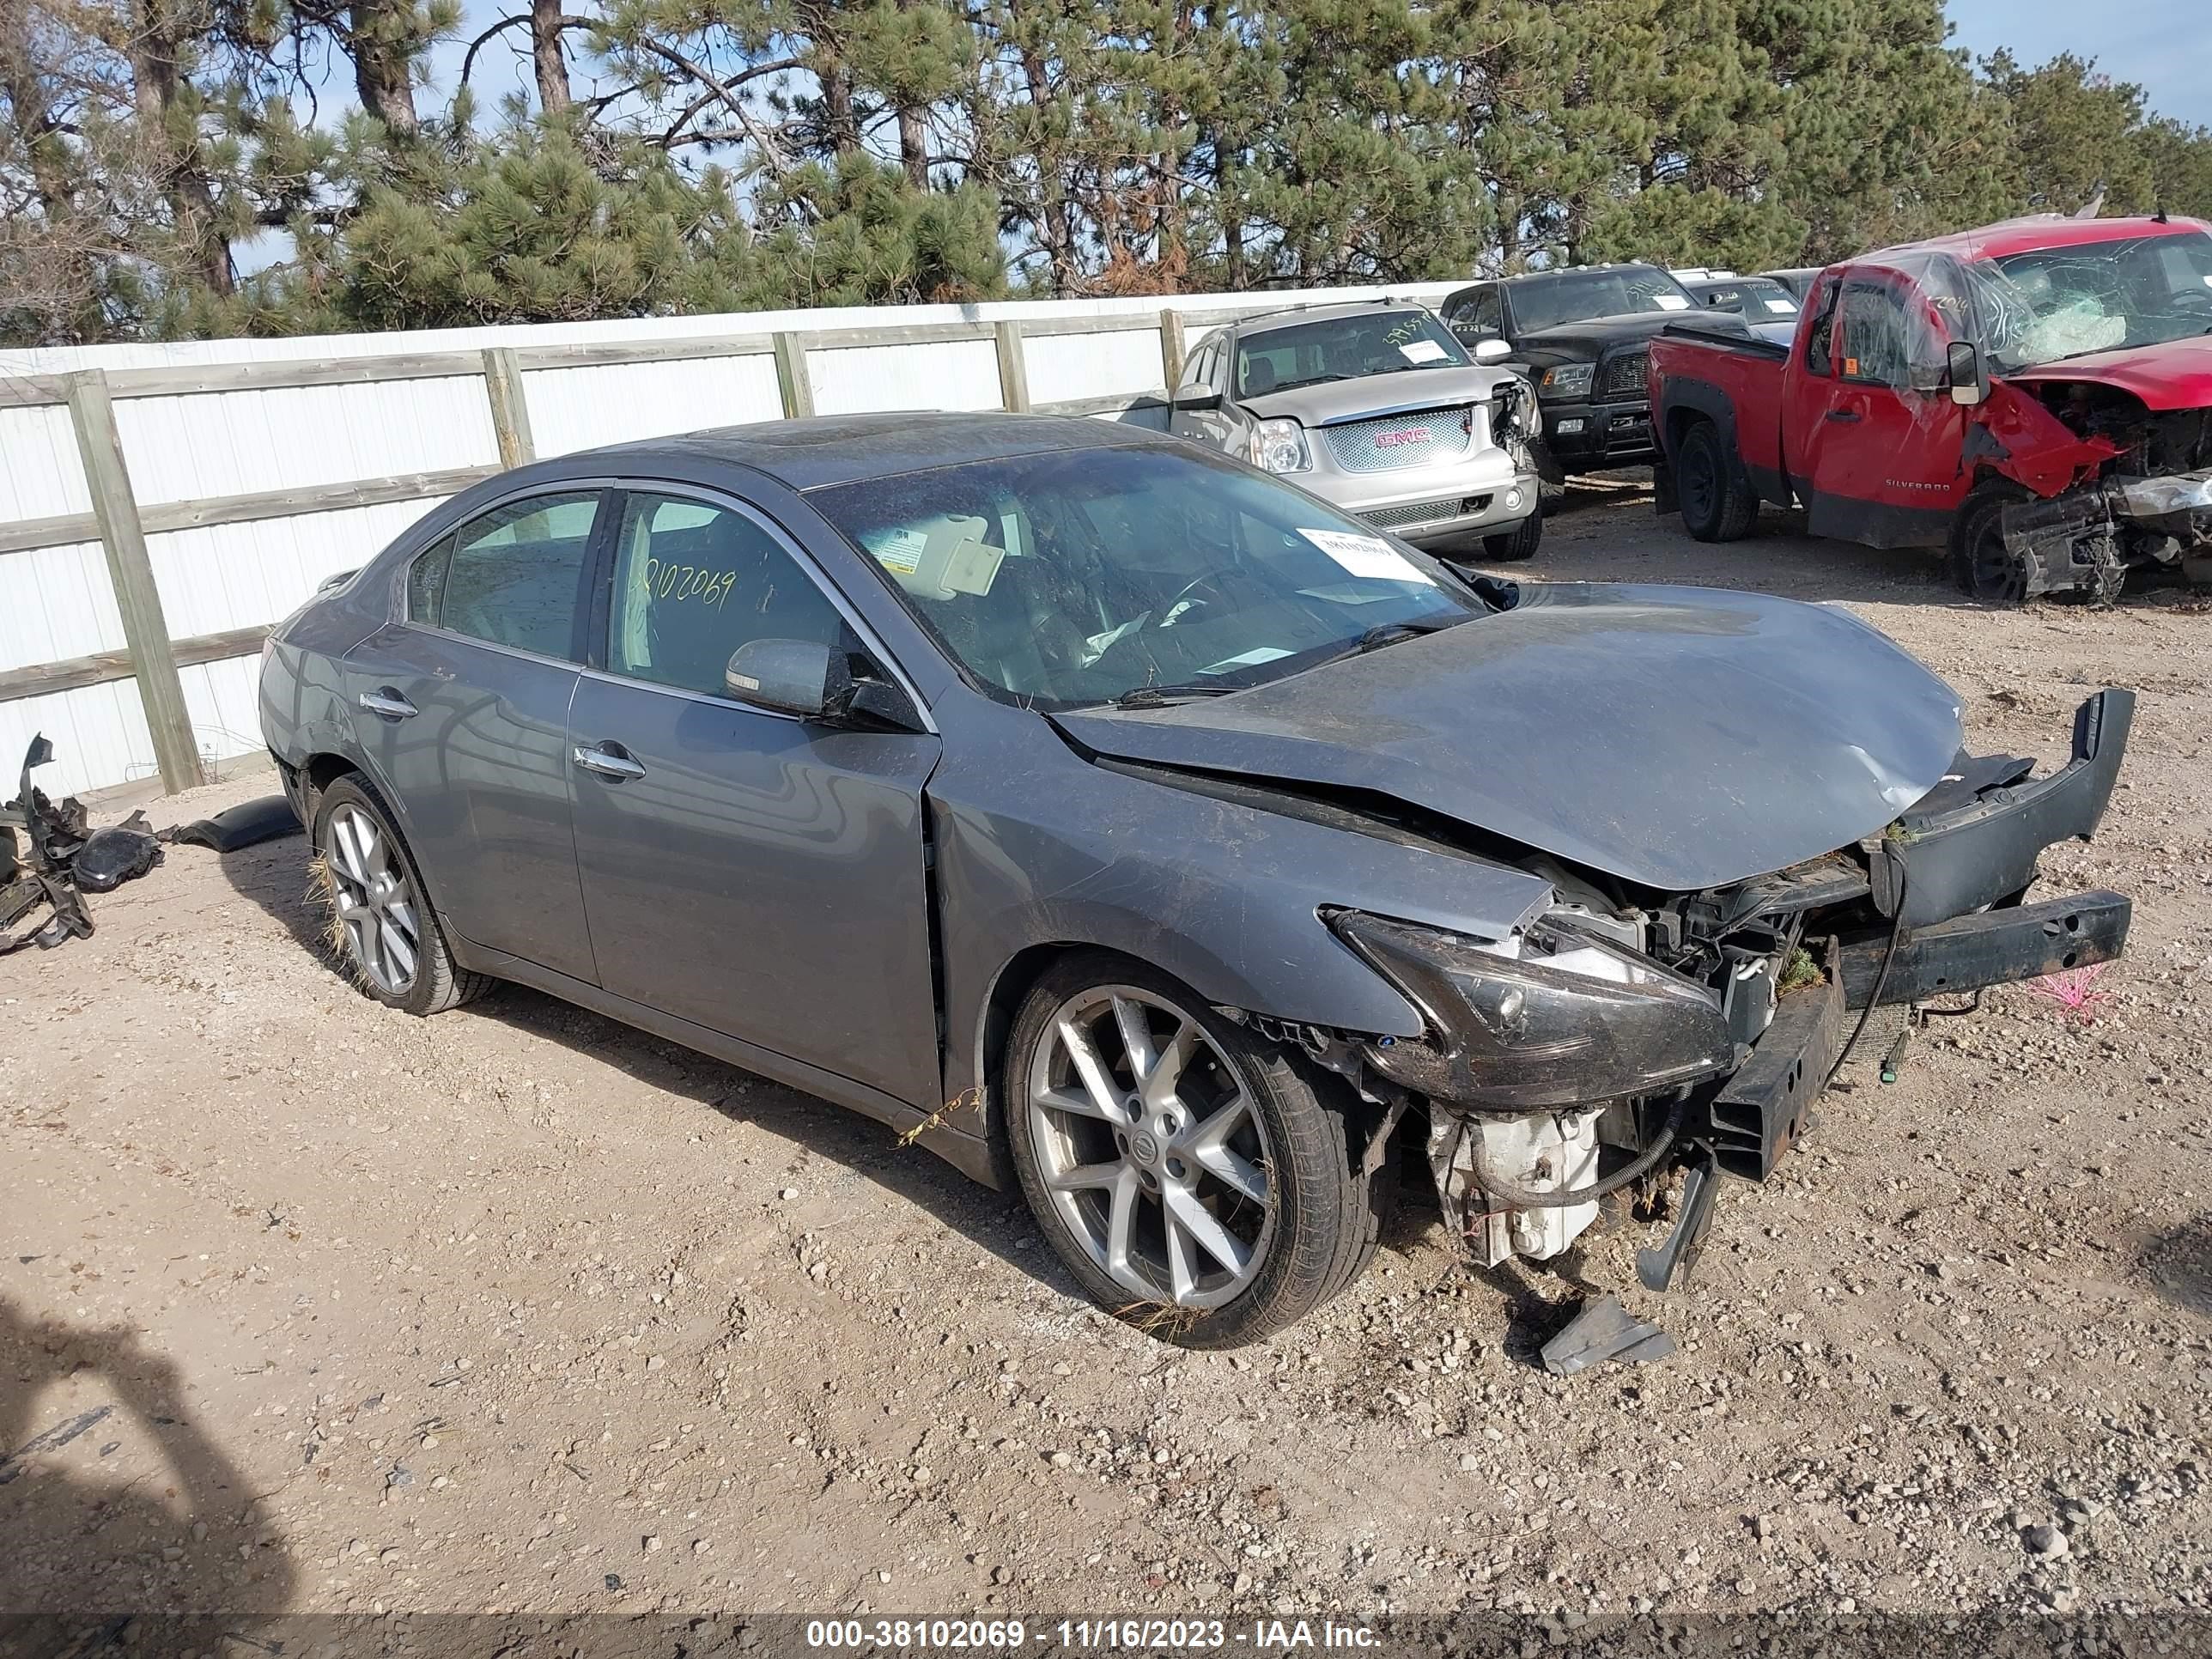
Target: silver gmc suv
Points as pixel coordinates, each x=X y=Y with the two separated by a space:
x=1376 y=407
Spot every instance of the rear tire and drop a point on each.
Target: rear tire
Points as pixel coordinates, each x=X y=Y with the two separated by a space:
x=1717 y=504
x=1519 y=543
x=381 y=924
x=1183 y=1168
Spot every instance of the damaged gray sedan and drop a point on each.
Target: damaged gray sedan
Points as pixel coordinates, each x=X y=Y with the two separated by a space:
x=1144 y=833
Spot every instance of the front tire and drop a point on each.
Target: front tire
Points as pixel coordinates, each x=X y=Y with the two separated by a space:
x=1183 y=1168
x=1522 y=541
x=1716 y=504
x=381 y=924
x=1982 y=566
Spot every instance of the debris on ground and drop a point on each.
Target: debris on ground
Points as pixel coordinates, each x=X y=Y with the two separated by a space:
x=247 y=824
x=111 y=856
x=55 y=834
x=1605 y=1330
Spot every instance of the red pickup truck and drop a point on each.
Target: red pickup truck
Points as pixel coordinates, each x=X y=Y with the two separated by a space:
x=2035 y=397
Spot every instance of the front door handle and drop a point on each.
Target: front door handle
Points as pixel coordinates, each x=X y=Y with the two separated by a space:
x=387 y=704
x=608 y=761
x=1845 y=415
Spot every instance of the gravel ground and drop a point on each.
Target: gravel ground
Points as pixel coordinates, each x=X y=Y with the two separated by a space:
x=314 y=1308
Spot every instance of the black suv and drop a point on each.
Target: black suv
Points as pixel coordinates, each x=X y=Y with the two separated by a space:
x=1582 y=334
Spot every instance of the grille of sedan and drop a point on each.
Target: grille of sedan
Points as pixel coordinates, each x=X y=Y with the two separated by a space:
x=1394 y=440
x=1410 y=513
x=1624 y=374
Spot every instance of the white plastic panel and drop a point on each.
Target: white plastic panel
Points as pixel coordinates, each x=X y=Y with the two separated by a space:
x=942 y=374
x=57 y=604
x=40 y=476
x=242 y=443
x=573 y=409
x=99 y=733
x=241 y=575
x=223 y=700
x=1068 y=366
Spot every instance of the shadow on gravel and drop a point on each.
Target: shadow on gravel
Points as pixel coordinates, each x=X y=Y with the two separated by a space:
x=87 y=1550
x=2179 y=1266
x=275 y=876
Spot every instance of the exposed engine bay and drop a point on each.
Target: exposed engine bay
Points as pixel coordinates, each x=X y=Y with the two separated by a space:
x=2148 y=505
x=1623 y=1031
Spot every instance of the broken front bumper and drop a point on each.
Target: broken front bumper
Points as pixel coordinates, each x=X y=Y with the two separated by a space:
x=1970 y=844
x=1974 y=839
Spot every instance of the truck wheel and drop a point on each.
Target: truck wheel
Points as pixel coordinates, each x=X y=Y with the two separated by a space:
x=1521 y=541
x=1717 y=506
x=1982 y=565
x=1184 y=1169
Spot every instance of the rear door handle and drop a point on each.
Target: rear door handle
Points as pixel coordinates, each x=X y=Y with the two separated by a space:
x=1845 y=415
x=387 y=704
x=608 y=761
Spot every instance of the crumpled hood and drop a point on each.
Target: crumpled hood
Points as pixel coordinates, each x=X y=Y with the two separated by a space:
x=2175 y=375
x=1679 y=737
x=1380 y=394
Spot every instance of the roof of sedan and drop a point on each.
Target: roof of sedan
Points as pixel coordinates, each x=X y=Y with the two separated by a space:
x=833 y=449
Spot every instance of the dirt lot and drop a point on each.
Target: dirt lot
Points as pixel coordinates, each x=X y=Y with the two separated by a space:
x=515 y=1309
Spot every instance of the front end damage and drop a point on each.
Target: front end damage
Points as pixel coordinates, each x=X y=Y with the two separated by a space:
x=2141 y=497
x=1627 y=1033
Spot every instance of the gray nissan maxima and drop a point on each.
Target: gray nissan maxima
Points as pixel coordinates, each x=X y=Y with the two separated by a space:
x=1147 y=834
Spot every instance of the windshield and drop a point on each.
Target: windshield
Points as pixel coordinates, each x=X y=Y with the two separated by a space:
x=1574 y=297
x=1343 y=349
x=1081 y=576
x=2054 y=303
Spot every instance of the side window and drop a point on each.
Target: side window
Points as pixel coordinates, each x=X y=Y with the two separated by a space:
x=1873 y=335
x=1217 y=366
x=426 y=582
x=1819 y=355
x=1488 y=315
x=693 y=582
x=1198 y=370
x=515 y=576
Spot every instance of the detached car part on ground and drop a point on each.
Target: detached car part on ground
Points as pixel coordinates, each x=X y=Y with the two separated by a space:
x=1136 y=830
x=2035 y=397
x=1376 y=407
x=60 y=858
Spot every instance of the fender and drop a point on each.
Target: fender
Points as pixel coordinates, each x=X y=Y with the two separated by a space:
x=1688 y=395
x=1154 y=870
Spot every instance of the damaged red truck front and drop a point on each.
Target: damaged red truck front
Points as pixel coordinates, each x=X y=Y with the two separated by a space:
x=2035 y=397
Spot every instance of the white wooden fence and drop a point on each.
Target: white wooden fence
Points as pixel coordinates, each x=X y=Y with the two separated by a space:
x=160 y=506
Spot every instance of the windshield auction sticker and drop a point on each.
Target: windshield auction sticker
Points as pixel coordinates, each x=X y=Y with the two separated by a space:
x=1367 y=555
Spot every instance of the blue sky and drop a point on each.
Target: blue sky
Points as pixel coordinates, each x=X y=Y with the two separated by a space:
x=2165 y=46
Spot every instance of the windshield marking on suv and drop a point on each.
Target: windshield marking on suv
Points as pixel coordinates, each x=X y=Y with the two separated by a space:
x=1286 y=356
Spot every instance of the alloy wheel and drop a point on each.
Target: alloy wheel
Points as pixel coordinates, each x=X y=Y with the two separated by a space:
x=1149 y=1148
x=374 y=900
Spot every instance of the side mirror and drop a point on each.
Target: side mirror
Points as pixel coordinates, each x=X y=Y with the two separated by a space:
x=1969 y=375
x=1197 y=397
x=1492 y=350
x=801 y=677
x=791 y=676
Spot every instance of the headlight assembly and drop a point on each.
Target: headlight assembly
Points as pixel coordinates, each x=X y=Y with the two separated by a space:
x=1566 y=380
x=1280 y=446
x=1571 y=1019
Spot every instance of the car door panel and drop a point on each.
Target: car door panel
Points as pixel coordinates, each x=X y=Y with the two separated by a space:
x=465 y=739
x=1885 y=455
x=763 y=876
